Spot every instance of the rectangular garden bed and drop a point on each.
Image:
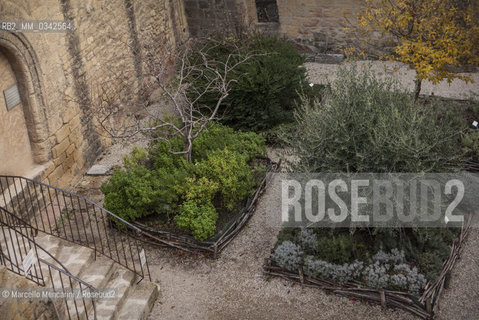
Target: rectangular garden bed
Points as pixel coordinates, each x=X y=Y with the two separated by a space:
x=423 y=306
x=213 y=246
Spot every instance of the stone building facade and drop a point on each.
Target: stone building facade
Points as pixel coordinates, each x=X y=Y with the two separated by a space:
x=318 y=25
x=50 y=134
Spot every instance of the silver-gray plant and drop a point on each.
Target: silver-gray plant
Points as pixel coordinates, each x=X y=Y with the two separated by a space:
x=288 y=255
x=308 y=239
x=384 y=270
x=395 y=256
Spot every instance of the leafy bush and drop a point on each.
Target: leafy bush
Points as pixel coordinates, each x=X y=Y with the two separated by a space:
x=219 y=136
x=222 y=173
x=201 y=190
x=425 y=248
x=341 y=247
x=288 y=234
x=266 y=86
x=232 y=173
x=288 y=255
x=364 y=124
x=139 y=192
x=338 y=249
x=470 y=143
x=138 y=156
x=274 y=136
x=334 y=246
x=199 y=219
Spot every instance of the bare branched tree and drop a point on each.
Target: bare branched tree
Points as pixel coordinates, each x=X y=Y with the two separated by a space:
x=183 y=78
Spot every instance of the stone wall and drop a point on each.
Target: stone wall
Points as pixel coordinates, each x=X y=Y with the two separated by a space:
x=316 y=24
x=206 y=17
x=58 y=73
x=22 y=309
x=15 y=149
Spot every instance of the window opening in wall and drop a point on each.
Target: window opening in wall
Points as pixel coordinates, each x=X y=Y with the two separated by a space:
x=267 y=10
x=12 y=97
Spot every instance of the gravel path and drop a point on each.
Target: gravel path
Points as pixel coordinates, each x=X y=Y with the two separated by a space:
x=233 y=287
x=461 y=300
x=457 y=89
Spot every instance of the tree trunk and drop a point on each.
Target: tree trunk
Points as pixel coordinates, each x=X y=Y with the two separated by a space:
x=187 y=147
x=188 y=156
x=417 y=89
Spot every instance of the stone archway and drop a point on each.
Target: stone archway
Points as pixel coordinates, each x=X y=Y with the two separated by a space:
x=19 y=64
x=16 y=156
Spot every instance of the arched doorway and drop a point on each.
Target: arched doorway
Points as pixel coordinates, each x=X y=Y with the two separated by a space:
x=19 y=65
x=16 y=156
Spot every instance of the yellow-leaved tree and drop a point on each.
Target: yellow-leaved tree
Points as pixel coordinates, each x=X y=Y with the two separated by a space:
x=431 y=36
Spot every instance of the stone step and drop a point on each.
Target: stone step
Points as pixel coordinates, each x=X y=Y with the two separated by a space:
x=20 y=198
x=75 y=258
x=11 y=191
x=122 y=280
x=99 y=272
x=132 y=301
x=15 y=246
x=51 y=244
x=139 y=302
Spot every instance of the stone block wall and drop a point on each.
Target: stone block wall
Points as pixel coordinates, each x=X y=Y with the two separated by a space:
x=59 y=73
x=316 y=24
x=206 y=17
x=22 y=309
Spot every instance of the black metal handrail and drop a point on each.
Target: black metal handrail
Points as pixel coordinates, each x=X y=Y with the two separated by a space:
x=14 y=247
x=75 y=218
x=16 y=225
x=16 y=243
x=74 y=283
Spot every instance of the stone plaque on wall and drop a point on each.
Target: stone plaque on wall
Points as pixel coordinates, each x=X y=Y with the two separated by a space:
x=12 y=97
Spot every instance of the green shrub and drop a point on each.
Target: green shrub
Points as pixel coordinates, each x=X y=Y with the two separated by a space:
x=274 y=136
x=364 y=124
x=340 y=248
x=219 y=136
x=148 y=185
x=158 y=182
x=138 y=156
x=199 y=219
x=137 y=192
x=199 y=189
x=426 y=248
x=232 y=173
x=266 y=86
x=470 y=144
x=162 y=159
x=288 y=234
